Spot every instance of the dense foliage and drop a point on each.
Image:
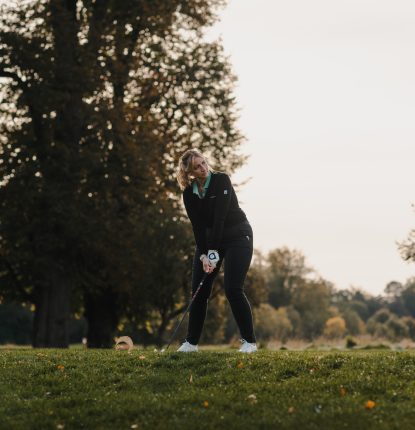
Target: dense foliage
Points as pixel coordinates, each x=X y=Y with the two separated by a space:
x=99 y=99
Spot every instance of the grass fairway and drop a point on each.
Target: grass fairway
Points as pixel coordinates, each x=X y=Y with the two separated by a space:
x=108 y=389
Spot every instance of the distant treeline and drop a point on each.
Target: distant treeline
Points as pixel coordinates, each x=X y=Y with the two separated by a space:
x=289 y=300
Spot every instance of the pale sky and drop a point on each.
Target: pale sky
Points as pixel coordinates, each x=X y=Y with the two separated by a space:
x=326 y=90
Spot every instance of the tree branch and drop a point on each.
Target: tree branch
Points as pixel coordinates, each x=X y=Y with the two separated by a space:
x=96 y=24
x=13 y=75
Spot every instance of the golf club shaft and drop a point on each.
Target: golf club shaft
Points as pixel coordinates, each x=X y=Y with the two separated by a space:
x=185 y=312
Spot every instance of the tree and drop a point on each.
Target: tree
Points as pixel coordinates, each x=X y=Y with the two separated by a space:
x=311 y=299
x=410 y=324
x=356 y=307
x=408 y=296
x=397 y=328
x=286 y=269
x=354 y=324
x=163 y=275
x=255 y=283
x=100 y=99
x=393 y=290
x=295 y=320
x=393 y=293
x=216 y=318
x=365 y=304
x=386 y=324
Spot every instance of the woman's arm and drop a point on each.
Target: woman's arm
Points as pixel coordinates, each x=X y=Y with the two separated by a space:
x=198 y=230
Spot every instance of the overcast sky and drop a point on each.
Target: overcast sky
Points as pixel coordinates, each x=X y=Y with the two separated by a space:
x=327 y=96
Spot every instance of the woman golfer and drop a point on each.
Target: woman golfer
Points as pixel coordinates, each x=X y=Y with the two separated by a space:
x=222 y=233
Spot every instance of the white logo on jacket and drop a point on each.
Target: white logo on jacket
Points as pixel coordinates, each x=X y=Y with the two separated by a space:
x=225 y=192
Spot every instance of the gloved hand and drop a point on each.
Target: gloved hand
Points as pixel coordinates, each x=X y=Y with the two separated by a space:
x=207 y=267
x=213 y=257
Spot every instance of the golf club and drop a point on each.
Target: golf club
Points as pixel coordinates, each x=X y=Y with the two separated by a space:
x=185 y=312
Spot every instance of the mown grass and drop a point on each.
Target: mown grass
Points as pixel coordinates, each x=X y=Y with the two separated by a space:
x=108 y=389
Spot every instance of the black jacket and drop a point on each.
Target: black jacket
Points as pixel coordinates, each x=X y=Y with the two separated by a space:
x=216 y=212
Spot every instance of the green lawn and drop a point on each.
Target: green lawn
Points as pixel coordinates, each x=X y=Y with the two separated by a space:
x=108 y=389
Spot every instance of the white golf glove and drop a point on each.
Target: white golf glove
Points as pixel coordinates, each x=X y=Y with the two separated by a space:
x=213 y=257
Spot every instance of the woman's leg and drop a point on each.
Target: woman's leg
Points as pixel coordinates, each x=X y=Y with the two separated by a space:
x=198 y=309
x=237 y=261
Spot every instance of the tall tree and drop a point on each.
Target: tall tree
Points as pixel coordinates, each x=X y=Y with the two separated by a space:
x=99 y=100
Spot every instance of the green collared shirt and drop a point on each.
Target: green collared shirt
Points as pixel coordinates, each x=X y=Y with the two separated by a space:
x=205 y=187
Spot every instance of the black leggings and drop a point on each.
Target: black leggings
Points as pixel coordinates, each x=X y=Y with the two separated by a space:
x=237 y=254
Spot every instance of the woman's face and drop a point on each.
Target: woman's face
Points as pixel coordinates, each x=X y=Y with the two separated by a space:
x=200 y=169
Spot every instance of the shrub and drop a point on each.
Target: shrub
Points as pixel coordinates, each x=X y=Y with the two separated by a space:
x=375 y=324
x=350 y=342
x=354 y=324
x=334 y=328
x=271 y=323
x=397 y=328
x=385 y=324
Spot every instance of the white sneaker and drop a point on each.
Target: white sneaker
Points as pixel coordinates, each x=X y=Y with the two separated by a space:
x=248 y=347
x=187 y=347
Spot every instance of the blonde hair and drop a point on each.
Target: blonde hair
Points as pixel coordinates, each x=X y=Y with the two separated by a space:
x=185 y=168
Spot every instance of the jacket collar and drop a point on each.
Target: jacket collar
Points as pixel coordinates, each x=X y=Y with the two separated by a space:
x=205 y=187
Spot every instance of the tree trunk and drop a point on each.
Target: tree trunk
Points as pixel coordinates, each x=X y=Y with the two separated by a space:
x=101 y=314
x=161 y=331
x=52 y=312
x=52 y=301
